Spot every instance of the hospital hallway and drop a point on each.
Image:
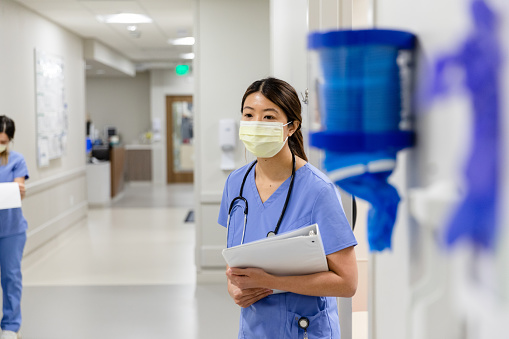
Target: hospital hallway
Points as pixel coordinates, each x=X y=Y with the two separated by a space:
x=126 y=272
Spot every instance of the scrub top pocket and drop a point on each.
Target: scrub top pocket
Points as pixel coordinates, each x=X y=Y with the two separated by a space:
x=319 y=326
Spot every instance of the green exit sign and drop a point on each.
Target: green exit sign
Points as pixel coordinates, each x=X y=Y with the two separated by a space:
x=182 y=69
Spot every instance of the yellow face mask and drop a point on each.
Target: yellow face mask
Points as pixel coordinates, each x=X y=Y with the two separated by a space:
x=262 y=138
x=3 y=148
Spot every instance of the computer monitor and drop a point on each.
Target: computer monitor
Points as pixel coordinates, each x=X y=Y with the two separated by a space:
x=109 y=131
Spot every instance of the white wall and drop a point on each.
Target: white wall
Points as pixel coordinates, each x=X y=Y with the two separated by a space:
x=289 y=59
x=232 y=52
x=123 y=102
x=418 y=278
x=56 y=195
x=163 y=83
x=288 y=29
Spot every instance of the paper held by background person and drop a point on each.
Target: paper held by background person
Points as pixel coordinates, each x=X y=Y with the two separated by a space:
x=298 y=252
x=9 y=195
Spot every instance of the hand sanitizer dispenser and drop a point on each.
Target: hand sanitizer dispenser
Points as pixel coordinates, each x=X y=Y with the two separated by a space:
x=227 y=142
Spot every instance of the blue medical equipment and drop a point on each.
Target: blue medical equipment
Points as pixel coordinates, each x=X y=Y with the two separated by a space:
x=480 y=58
x=361 y=117
x=240 y=197
x=88 y=145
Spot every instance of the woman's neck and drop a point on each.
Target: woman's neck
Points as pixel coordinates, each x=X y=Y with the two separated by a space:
x=4 y=158
x=277 y=168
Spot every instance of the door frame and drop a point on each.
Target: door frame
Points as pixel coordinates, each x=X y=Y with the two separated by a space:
x=174 y=177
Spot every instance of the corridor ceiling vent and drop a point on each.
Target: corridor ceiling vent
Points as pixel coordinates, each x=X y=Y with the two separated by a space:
x=124 y=18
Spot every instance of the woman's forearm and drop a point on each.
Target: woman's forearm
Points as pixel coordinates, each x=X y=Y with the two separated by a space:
x=318 y=284
x=339 y=281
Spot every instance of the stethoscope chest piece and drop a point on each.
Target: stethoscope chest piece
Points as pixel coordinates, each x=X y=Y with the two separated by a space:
x=271 y=234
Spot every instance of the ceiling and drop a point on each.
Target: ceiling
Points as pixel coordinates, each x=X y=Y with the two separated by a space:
x=149 y=49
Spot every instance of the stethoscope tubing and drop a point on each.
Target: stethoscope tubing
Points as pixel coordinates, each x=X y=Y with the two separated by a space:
x=240 y=197
x=287 y=196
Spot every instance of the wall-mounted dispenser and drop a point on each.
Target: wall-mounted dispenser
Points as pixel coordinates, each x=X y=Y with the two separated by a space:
x=227 y=141
x=360 y=115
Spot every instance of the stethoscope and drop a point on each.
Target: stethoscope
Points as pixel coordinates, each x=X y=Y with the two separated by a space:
x=240 y=197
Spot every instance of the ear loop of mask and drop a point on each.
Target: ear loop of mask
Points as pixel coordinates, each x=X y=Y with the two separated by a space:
x=288 y=123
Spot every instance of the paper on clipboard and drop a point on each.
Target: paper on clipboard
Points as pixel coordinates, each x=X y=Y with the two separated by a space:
x=297 y=252
x=9 y=195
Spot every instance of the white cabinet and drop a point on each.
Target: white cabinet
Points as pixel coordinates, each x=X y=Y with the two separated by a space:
x=99 y=184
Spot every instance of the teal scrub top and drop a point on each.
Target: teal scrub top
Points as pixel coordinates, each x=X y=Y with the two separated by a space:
x=314 y=199
x=12 y=220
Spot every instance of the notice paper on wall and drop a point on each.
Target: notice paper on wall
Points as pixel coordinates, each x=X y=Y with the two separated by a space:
x=9 y=195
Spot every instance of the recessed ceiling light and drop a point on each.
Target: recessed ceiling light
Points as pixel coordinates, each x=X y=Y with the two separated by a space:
x=187 y=56
x=187 y=41
x=124 y=18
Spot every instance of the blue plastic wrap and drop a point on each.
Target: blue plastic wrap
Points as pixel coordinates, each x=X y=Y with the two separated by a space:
x=480 y=58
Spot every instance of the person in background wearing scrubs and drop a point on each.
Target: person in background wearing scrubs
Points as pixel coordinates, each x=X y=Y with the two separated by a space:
x=13 y=228
x=270 y=129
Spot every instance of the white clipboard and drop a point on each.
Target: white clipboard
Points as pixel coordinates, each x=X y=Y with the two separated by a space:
x=9 y=195
x=297 y=252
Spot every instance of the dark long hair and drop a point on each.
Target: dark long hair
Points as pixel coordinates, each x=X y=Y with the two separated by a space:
x=7 y=127
x=284 y=96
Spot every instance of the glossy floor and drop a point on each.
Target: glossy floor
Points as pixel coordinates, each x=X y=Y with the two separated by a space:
x=128 y=272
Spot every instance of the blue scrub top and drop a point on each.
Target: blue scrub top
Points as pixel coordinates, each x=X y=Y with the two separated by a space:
x=314 y=199
x=12 y=220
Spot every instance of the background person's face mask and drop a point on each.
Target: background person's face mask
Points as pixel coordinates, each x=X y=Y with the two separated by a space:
x=262 y=138
x=3 y=148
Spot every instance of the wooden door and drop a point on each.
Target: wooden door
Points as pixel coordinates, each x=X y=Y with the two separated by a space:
x=179 y=139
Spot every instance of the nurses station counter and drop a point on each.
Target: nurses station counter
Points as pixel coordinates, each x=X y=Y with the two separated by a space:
x=139 y=162
x=99 y=183
x=105 y=179
x=117 y=170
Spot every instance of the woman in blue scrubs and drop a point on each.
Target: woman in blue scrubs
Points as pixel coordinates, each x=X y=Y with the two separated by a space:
x=270 y=129
x=13 y=228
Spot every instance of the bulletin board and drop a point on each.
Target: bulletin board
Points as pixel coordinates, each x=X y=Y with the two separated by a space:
x=51 y=107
